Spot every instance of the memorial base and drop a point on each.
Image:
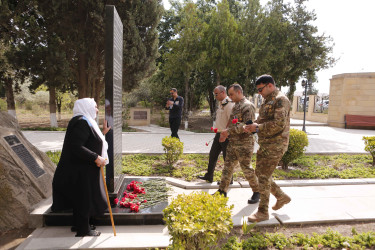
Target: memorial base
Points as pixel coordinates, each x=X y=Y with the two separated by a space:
x=151 y=215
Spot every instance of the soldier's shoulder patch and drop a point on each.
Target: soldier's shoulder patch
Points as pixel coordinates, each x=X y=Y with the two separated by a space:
x=282 y=101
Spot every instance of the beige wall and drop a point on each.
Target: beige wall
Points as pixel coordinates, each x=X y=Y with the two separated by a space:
x=136 y=119
x=351 y=93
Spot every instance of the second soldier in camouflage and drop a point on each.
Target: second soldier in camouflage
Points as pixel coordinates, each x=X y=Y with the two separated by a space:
x=241 y=143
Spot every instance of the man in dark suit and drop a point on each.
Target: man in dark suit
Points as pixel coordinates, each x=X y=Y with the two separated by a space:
x=175 y=105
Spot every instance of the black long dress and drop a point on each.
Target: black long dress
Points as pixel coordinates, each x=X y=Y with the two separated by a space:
x=77 y=183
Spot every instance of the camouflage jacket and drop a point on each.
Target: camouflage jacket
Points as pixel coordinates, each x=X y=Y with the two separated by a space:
x=274 y=120
x=243 y=110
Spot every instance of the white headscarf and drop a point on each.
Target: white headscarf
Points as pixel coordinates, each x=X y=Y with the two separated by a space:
x=87 y=108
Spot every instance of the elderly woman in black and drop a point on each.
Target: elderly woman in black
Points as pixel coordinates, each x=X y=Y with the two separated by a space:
x=77 y=182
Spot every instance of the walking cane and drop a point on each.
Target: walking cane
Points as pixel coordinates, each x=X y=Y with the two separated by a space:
x=109 y=204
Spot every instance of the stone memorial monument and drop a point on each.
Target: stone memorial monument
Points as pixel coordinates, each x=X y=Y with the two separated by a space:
x=25 y=175
x=113 y=97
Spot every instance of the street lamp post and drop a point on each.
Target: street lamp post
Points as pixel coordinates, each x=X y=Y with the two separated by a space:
x=305 y=84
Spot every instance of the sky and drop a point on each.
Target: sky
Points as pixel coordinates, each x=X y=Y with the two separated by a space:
x=351 y=25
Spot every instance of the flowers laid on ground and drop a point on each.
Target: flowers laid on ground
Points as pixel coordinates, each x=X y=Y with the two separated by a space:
x=130 y=199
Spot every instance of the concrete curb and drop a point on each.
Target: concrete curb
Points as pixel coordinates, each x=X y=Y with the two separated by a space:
x=282 y=183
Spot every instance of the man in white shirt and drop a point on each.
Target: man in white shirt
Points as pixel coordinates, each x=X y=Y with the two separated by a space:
x=222 y=118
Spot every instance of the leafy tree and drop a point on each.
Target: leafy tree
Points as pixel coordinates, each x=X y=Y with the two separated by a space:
x=140 y=19
x=185 y=51
x=167 y=30
x=296 y=48
x=80 y=27
x=314 y=49
x=243 y=40
x=255 y=43
x=12 y=13
x=222 y=43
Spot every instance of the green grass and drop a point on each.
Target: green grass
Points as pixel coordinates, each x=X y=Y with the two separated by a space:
x=54 y=156
x=328 y=240
x=192 y=165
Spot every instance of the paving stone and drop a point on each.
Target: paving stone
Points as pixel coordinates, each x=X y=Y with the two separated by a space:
x=322 y=140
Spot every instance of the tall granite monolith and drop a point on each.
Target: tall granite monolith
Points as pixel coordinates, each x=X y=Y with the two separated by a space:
x=25 y=175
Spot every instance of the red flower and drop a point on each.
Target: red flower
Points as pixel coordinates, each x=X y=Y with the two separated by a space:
x=135 y=208
x=206 y=143
x=144 y=201
x=212 y=128
x=116 y=201
x=130 y=200
x=215 y=130
x=234 y=121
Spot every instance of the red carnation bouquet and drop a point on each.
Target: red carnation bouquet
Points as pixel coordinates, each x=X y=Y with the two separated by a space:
x=130 y=199
x=215 y=130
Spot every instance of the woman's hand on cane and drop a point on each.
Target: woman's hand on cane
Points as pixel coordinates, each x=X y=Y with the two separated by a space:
x=100 y=161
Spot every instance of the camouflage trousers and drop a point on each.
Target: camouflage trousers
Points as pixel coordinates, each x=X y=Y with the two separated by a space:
x=267 y=161
x=239 y=152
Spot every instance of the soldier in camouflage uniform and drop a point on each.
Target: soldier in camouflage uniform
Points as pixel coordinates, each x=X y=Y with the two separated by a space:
x=241 y=144
x=272 y=127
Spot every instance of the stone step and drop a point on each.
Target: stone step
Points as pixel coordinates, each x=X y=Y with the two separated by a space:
x=127 y=237
x=147 y=216
x=153 y=215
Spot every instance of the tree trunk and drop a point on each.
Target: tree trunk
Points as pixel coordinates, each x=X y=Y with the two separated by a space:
x=11 y=105
x=82 y=76
x=52 y=106
x=97 y=90
x=218 y=78
x=292 y=89
x=58 y=104
x=186 y=102
x=212 y=102
x=284 y=166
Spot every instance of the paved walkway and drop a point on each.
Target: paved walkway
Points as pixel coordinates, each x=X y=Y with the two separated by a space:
x=322 y=139
x=313 y=201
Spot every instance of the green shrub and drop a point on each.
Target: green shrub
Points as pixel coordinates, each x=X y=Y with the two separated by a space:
x=198 y=220
x=370 y=146
x=28 y=105
x=233 y=243
x=296 y=148
x=257 y=241
x=54 y=156
x=3 y=104
x=329 y=240
x=162 y=122
x=173 y=149
x=279 y=240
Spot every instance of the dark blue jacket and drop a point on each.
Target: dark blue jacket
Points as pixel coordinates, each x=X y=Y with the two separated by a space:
x=176 y=110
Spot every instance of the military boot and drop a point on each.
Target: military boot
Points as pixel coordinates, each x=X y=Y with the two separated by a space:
x=285 y=199
x=221 y=192
x=254 y=198
x=258 y=217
